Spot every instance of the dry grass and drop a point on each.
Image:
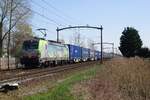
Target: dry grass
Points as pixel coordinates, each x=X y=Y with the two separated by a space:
x=81 y=91
x=131 y=77
x=96 y=89
x=118 y=79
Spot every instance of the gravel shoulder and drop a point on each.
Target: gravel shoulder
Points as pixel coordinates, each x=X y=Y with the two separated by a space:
x=39 y=86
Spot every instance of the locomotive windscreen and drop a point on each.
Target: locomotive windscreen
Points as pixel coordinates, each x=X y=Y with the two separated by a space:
x=30 y=44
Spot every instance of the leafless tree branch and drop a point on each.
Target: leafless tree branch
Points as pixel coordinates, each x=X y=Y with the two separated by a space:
x=14 y=24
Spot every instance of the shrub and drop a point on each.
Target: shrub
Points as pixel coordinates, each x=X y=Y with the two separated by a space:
x=143 y=52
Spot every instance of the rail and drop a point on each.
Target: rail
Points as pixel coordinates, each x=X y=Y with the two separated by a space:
x=37 y=74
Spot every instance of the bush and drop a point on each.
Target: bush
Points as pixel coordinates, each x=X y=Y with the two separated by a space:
x=143 y=52
x=130 y=42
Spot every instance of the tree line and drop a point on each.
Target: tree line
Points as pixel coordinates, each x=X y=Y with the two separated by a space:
x=131 y=44
x=14 y=26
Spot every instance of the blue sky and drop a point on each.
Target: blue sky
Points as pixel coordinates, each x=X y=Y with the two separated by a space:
x=113 y=15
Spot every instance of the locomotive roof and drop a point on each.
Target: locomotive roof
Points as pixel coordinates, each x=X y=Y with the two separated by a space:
x=37 y=39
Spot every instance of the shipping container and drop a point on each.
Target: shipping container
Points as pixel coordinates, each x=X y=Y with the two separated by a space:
x=107 y=55
x=97 y=55
x=74 y=53
x=85 y=54
x=92 y=55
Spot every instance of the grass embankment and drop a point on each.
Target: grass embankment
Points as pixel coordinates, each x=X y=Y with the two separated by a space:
x=118 y=79
x=131 y=77
x=122 y=79
x=62 y=90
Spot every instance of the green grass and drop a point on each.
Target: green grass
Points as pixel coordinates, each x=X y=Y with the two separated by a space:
x=62 y=90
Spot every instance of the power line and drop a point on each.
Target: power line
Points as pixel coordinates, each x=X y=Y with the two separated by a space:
x=56 y=9
x=57 y=15
x=37 y=27
x=45 y=17
x=51 y=20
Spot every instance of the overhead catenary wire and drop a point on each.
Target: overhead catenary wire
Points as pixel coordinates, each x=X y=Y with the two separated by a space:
x=58 y=10
x=52 y=21
x=54 y=13
x=37 y=27
x=59 y=16
x=43 y=16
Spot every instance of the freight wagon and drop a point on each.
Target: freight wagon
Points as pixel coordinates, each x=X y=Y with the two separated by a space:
x=75 y=53
x=97 y=55
x=92 y=55
x=85 y=54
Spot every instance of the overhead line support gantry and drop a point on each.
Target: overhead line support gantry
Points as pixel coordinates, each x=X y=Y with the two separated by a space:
x=93 y=27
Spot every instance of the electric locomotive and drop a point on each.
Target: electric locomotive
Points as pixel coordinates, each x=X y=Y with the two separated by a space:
x=41 y=52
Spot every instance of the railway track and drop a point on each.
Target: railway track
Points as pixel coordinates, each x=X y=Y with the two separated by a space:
x=41 y=73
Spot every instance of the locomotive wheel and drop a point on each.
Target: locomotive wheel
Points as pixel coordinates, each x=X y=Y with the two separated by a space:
x=53 y=64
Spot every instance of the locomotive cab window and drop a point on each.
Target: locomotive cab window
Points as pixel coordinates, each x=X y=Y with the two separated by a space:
x=30 y=45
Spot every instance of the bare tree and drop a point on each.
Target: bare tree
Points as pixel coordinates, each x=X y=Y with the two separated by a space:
x=18 y=12
x=90 y=44
x=77 y=39
x=23 y=32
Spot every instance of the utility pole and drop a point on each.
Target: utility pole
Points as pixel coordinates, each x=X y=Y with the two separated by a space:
x=105 y=48
x=101 y=44
x=98 y=28
x=57 y=34
x=10 y=22
x=113 y=50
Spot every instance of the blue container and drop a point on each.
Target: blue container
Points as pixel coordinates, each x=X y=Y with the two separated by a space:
x=74 y=53
x=92 y=54
x=85 y=54
x=97 y=55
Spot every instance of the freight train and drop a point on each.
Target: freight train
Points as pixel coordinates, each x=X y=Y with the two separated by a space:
x=41 y=52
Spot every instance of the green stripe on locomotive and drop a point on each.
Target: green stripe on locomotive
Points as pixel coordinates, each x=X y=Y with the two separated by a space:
x=53 y=51
x=42 y=48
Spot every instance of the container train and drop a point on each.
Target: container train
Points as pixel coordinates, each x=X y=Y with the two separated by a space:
x=41 y=52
